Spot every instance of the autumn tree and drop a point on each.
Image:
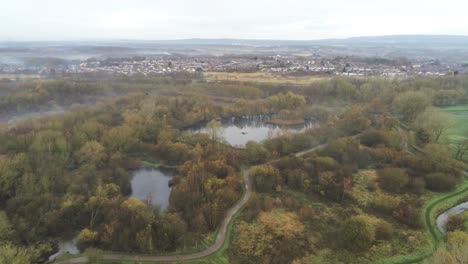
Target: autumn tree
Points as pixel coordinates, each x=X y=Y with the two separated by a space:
x=251 y=242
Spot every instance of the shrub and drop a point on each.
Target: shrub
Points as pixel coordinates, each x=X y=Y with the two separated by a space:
x=385 y=203
x=456 y=222
x=358 y=233
x=375 y=138
x=440 y=182
x=393 y=179
x=383 y=230
x=417 y=185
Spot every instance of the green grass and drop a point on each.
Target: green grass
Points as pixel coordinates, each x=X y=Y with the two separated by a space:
x=456 y=108
x=459 y=131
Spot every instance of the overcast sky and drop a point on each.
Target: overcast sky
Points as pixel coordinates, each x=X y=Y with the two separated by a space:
x=248 y=19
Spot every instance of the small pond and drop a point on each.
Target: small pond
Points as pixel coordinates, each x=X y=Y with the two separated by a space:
x=152 y=184
x=66 y=246
x=237 y=131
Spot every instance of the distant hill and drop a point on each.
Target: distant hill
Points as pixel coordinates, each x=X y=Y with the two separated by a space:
x=408 y=41
x=403 y=41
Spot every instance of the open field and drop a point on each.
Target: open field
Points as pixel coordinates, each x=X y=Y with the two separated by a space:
x=460 y=129
x=262 y=77
x=19 y=76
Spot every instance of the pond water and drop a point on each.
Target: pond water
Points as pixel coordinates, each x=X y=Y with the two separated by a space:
x=66 y=246
x=443 y=218
x=152 y=184
x=237 y=131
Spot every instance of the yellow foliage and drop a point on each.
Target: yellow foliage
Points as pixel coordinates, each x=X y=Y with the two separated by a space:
x=133 y=204
x=281 y=224
x=87 y=236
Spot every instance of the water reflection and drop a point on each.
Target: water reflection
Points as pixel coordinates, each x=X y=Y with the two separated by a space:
x=152 y=184
x=237 y=131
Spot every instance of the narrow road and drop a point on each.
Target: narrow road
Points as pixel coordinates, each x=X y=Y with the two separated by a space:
x=220 y=237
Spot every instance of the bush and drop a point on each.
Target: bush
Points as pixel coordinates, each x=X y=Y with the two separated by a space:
x=385 y=203
x=384 y=230
x=375 y=138
x=417 y=185
x=440 y=182
x=358 y=233
x=393 y=179
x=456 y=222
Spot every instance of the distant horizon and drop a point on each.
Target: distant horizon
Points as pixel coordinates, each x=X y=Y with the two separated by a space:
x=234 y=39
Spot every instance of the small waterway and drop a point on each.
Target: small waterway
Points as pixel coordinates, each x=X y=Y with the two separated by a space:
x=237 y=131
x=152 y=184
x=443 y=218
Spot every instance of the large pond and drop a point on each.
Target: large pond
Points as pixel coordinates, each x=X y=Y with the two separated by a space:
x=237 y=131
x=152 y=184
x=443 y=218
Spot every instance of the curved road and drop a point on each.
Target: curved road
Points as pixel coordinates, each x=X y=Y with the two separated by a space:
x=220 y=237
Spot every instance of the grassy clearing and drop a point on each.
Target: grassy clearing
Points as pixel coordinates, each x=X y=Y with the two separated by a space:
x=460 y=129
x=262 y=77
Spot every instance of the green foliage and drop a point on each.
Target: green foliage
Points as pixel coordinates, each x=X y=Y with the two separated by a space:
x=358 y=233
x=6 y=229
x=434 y=122
x=410 y=104
x=16 y=255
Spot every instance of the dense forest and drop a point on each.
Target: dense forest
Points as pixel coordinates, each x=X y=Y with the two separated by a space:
x=357 y=199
